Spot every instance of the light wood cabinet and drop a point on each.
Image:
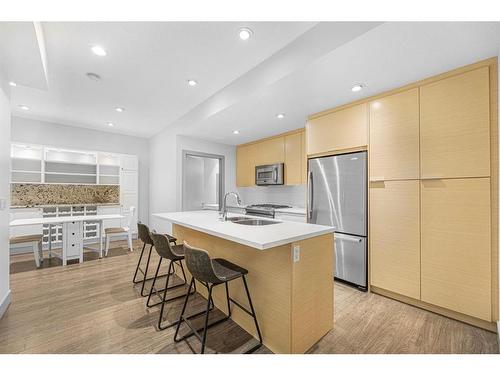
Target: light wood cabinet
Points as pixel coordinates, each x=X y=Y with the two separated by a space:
x=270 y=151
x=288 y=149
x=341 y=130
x=245 y=165
x=304 y=158
x=456 y=245
x=394 y=137
x=395 y=236
x=455 y=126
x=294 y=159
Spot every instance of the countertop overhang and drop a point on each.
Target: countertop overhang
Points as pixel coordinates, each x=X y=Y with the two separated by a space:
x=259 y=237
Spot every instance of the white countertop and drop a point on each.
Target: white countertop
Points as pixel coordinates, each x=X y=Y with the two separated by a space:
x=62 y=219
x=259 y=237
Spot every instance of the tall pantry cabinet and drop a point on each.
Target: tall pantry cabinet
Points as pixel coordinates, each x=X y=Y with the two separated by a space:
x=432 y=203
x=395 y=193
x=455 y=193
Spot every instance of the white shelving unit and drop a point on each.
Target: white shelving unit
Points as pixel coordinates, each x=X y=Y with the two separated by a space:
x=35 y=164
x=40 y=164
x=91 y=230
x=26 y=163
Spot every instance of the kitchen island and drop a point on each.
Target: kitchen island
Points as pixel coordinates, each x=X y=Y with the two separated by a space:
x=290 y=276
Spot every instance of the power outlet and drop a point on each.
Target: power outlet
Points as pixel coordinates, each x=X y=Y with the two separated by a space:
x=296 y=253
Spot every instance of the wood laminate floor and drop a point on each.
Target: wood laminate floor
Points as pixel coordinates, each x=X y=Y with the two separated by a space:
x=94 y=308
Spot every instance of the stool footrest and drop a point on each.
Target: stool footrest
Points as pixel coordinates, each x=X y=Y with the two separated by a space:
x=196 y=332
x=241 y=307
x=161 y=328
x=157 y=292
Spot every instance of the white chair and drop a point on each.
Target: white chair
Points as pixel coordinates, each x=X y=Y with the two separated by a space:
x=34 y=240
x=110 y=233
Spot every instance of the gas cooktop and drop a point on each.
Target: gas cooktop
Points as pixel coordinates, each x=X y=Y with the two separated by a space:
x=267 y=205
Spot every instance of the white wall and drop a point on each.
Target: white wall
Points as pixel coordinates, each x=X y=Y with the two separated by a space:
x=290 y=195
x=4 y=194
x=166 y=171
x=52 y=134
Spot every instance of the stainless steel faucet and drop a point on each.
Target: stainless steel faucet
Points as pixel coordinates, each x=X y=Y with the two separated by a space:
x=223 y=211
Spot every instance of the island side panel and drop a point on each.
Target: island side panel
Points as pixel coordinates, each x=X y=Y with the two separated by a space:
x=312 y=292
x=269 y=281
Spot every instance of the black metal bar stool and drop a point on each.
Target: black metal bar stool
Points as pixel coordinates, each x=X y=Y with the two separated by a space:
x=175 y=255
x=144 y=236
x=213 y=272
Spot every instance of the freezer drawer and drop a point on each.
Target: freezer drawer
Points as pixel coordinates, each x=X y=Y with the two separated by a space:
x=350 y=259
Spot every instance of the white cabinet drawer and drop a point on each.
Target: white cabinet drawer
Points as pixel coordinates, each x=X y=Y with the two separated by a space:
x=72 y=238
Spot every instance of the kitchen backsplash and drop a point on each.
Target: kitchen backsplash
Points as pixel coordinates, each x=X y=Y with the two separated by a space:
x=29 y=195
x=291 y=195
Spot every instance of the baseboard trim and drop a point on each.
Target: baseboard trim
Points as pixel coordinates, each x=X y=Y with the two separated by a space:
x=490 y=326
x=5 y=303
x=498 y=334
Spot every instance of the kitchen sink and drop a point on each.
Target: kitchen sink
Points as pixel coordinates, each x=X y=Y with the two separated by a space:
x=257 y=222
x=237 y=218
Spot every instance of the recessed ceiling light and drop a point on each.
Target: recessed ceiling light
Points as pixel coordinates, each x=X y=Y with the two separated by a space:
x=98 y=50
x=24 y=107
x=245 y=33
x=110 y=124
x=13 y=84
x=119 y=109
x=280 y=115
x=236 y=132
x=93 y=76
x=357 y=87
x=192 y=82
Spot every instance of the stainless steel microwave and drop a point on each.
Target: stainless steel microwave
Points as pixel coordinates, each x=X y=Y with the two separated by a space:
x=271 y=174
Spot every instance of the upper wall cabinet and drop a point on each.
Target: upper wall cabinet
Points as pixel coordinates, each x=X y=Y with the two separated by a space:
x=288 y=149
x=341 y=130
x=245 y=165
x=294 y=159
x=270 y=151
x=454 y=126
x=394 y=137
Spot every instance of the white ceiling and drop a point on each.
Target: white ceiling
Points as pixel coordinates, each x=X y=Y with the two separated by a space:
x=292 y=68
x=145 y=71
x=22 y=55
x=386 y=57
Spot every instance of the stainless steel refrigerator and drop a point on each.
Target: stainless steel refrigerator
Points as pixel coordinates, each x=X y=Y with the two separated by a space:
x=337 y=192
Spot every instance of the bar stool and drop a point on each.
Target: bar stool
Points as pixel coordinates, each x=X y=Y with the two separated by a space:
x=144 y=236
x=213 y=272
x=175 y=255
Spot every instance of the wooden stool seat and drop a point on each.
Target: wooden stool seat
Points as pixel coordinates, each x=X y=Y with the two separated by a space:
x=14 y=240
x=35 y=240
x=115 y=230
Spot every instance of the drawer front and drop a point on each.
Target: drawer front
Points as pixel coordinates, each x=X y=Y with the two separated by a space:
x=72 y=238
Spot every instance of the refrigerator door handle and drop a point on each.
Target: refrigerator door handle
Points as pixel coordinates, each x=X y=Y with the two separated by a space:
x=347 y=238
x=311 y=195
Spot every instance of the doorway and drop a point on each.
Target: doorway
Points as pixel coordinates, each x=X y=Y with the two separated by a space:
x=202 y=181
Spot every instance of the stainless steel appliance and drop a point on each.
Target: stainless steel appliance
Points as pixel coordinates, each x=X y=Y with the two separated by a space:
x=265 y=210
x=271 y=174
x=337 y=188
